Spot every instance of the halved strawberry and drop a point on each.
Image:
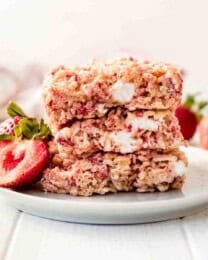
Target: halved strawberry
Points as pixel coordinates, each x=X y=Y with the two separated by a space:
x=3 y=144
x=22 y=162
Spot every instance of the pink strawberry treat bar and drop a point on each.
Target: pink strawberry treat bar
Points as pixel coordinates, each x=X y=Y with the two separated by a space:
x=114 y=128
x=89 y=92
x=120 y=131
x=100 y=173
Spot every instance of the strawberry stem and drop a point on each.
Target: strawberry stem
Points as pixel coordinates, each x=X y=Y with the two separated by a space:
x=189 y=102
x=5 y=137
x=26 y=127
x=196 y=107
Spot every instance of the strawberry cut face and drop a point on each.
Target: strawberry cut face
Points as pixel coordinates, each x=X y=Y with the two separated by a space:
x=3 y=144
x=22 y=162
x=11 y=160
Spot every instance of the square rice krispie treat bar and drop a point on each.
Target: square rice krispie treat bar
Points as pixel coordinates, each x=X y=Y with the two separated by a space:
x=88 y=92
x=100 y=173
x=119 y=131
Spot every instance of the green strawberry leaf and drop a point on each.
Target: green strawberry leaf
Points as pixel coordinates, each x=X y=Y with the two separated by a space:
x=17 y=131
x=5 y=137
x=202 y=105
x=14 y=110
x=189 y=102
x=32 y=128
x=44 y=131
x=195 y=106
x=28 y=128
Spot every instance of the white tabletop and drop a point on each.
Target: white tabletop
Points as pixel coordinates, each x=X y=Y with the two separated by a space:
x=24 y=237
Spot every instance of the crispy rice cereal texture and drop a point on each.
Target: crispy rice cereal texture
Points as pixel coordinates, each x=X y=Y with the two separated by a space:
x=145 y=171
x=114 y=128
x=120 y=131
x=88 y=92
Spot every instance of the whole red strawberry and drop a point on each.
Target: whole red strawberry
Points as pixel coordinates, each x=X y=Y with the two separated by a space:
x=7 y=127
x=188 y=122
x=23 y=148
x=189 y=114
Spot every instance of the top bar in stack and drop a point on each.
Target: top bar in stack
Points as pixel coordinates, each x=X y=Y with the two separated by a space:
x=89 y=92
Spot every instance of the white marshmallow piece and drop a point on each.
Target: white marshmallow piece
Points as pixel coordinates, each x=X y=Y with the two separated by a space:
x=180 y=168
x=124 y=141
x=122 y=92
x=144 y=124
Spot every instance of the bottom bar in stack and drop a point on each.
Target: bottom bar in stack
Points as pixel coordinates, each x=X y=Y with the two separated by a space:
x=100 y=173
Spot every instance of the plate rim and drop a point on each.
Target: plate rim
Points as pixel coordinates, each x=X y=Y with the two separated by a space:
x=190 y=200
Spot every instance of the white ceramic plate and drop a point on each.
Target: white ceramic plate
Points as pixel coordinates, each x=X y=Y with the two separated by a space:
x=122 y=208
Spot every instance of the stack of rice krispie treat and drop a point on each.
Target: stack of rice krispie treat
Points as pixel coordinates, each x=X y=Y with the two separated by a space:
x=114 y=128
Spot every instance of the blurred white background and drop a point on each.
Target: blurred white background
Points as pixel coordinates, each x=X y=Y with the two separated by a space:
x=53 y=32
